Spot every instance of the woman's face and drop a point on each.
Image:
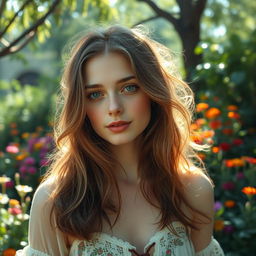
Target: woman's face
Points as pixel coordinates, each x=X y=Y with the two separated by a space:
x=113 y=95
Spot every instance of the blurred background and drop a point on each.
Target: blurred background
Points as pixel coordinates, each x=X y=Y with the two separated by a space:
x=213 y=45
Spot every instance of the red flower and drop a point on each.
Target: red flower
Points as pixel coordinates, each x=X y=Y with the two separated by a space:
x=224 y=146
x=215 y=124
x=238 y=142
x=229 y=185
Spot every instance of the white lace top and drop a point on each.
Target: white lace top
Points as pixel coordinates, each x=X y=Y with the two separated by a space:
x=44 y=241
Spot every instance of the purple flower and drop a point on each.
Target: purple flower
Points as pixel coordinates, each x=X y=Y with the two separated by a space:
x=9 y=184
x=217 y=206
x=228 y=229
x=240 y=175
x=229 y=185
x=29 y=161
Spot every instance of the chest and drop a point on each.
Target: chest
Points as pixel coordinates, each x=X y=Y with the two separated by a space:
x=138 y=219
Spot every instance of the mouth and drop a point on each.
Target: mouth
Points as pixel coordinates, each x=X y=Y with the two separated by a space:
x=119 y=126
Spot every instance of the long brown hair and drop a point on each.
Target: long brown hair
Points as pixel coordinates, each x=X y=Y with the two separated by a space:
x=82 y=165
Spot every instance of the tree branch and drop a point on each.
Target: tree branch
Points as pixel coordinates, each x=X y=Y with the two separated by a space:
x=160 y=12
x=34 y=27
x=14 y=17
x=15 y=49
x=200 y=6
x=146 y=20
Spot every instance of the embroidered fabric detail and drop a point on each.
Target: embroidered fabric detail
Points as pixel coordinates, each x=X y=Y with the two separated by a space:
x=213 y=249
x=28 y=251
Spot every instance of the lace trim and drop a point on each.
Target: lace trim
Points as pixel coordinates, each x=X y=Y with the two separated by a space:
x=213 y=249
x=28 y=251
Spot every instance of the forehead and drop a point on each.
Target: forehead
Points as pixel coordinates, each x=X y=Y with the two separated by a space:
x=107 y=67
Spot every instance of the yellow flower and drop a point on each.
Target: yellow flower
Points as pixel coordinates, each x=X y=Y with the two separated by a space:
x=23 y=190
x=4 y=179
x=218 y=225
x=14 y=203
x=25 y=135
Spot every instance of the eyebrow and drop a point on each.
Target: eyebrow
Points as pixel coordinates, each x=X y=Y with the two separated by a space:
x=125 y=79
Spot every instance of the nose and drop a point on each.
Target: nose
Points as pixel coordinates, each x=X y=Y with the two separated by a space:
x=115 y=106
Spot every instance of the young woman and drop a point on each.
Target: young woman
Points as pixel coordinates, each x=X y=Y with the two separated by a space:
x=123 y=181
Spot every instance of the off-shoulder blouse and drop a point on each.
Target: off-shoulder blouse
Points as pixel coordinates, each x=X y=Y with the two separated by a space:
x=47 y=241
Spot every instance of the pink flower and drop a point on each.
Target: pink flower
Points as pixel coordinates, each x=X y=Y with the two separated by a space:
x=229 y=185
x=12 y=149
x=14 y=211
x=31 y=170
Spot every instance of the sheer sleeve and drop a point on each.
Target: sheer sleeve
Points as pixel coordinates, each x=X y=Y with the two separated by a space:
x=44 y=239
x=213 y=249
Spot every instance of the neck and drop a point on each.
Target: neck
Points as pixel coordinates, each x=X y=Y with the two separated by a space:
x=127 y=156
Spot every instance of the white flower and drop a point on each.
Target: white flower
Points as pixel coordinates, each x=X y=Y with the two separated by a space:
x=23 y=190
x=4 y=199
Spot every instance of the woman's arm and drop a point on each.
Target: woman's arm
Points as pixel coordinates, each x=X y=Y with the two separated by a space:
x=43 y=239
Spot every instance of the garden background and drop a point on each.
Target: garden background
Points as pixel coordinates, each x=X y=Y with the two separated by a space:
x=214 y=46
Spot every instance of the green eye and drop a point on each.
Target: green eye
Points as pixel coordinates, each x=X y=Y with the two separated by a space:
x=131 y=88
x=94 y=95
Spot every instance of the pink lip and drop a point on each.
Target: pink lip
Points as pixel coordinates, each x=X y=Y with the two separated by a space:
x=118 y=126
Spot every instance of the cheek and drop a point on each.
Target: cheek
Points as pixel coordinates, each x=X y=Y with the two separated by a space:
x=94 y=116
x=141 y=107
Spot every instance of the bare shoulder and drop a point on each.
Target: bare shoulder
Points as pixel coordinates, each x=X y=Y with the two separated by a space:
x=198 y=190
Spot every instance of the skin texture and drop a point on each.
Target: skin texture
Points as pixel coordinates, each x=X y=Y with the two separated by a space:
x=113 y=101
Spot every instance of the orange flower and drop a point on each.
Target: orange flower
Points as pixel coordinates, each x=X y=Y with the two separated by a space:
x=250 y=160
x=212 y=113
x=233 y=115
x=14 y=132
x=200 y=122
x=208 y=134
x=201 y=107
x=215 y=150
x=227 y=131
x=14 y=203
x=9 y=252
x=215 y=124
x=21 y=156
x=197 y=138
x=218 y=225
x=230 y=203
x=232 y=108
x=193 y=126
x=236 y=162
x=249 y=190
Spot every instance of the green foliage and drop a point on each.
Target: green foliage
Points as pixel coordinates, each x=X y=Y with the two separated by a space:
x=228 y=72
x=23 y=108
